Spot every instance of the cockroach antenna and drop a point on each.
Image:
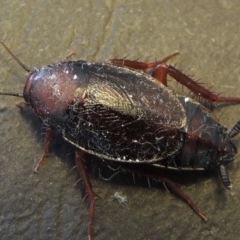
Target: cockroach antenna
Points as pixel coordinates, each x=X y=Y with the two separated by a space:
x=15 y=57
x=235 y=130
x=21 y=64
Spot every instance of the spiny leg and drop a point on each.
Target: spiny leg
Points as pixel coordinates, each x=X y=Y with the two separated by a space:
x=197 y=88
x=159 y=73
x=162 y=70
x=81 y=168
x=142 y=65
x=88 y=188
x=149 y=172
x=48 y=138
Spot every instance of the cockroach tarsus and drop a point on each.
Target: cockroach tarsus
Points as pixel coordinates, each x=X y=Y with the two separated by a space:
x=129 y=118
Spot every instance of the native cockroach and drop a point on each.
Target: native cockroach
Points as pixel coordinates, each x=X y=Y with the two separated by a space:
x=121 y=114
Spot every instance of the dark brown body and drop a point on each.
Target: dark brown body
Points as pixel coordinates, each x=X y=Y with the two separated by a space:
x=123 y=115
x=205 y=144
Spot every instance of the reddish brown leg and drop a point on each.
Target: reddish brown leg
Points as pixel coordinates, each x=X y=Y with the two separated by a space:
x=142 y=65
x=162 y=70
x=186 y=199
x=48 y=138
x=149 y=173
x=160 y=73
x=70 y=55
x=197 y=88
x=88 y=187
x=22 y=104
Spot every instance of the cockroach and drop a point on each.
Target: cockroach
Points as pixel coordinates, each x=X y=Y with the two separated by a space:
x=120 y=113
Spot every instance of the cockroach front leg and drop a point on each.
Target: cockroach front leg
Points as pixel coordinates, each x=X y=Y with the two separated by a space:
x=88 y=188
x=70 y=55
x=22 y=104
x=48 y=138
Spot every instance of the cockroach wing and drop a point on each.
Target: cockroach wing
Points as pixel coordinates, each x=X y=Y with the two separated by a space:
x=126 y=116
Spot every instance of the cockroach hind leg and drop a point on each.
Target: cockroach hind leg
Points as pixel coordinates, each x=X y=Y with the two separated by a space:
x=88 y=188
x=48 y=139
x=186 y=199
x=147 y=172
x=197 y=88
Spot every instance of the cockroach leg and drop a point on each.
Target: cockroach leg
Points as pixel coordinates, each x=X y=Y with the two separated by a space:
x=70 y=55
x=197 y=88
x=22 y=104
x=48 y=138
x=162 y=70
x=88 y=188
x=142 y=65
x=147 y=172
x=186 y=199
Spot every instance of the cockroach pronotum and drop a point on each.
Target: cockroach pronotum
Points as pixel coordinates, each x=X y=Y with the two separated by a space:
x=119 y=113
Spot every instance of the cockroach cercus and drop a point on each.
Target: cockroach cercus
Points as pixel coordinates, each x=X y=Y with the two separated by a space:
x=123 y=115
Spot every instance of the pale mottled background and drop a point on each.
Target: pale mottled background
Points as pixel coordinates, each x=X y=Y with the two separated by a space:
x=48 y=205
